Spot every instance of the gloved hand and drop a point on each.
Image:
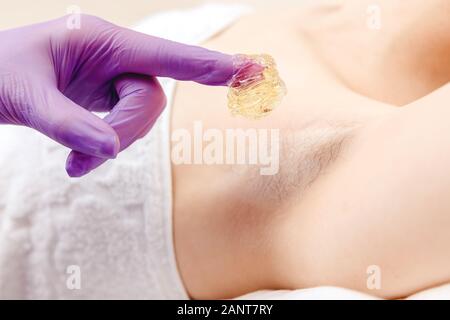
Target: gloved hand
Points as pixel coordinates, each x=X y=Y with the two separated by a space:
x=51 y=77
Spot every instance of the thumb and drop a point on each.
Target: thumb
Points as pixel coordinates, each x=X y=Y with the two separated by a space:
x=71 y=125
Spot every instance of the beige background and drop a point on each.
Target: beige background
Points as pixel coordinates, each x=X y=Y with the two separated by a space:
x=14 y=13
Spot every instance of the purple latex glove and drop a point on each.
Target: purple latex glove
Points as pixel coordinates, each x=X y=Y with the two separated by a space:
x=51 y=77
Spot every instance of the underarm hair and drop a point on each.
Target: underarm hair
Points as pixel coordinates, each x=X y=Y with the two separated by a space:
x=305 y=155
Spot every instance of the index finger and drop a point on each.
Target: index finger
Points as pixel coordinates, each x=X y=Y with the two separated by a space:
x=145 y=54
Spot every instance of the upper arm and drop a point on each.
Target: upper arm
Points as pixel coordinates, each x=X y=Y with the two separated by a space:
x=386 y=203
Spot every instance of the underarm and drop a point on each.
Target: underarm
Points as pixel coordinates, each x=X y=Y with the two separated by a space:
x=385 y=204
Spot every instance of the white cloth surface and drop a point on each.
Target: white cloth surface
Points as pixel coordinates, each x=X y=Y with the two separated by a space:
x=115 y=224
x=335 y=293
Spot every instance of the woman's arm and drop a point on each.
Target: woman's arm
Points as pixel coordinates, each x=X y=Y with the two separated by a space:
x=385 y=204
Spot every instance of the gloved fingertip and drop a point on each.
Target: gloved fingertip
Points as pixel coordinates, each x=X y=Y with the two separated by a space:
x=110 y=147
x=77 y=165
x=244 y=68
x=88 y=135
